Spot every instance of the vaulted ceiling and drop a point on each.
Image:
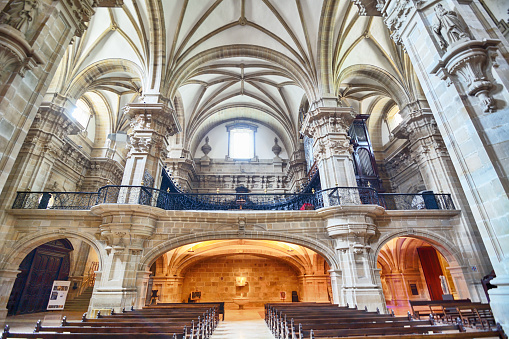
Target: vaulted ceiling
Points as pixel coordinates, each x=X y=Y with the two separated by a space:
x=179 y=260
x=215 y=60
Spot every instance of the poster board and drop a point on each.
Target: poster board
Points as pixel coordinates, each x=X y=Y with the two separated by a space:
x=58 y=295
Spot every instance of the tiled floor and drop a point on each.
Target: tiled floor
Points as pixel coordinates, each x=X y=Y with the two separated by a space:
x=243 y=324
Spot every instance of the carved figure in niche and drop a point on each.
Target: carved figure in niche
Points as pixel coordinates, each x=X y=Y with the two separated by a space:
x=448 y=27
x=20 y=14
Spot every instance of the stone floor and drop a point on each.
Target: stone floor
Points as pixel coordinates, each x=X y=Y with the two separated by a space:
x=243 y=324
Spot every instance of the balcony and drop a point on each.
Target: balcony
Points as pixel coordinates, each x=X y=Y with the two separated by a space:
x=148 y=196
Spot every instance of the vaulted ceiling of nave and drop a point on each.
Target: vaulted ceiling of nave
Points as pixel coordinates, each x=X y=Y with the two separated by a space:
x=218 y=60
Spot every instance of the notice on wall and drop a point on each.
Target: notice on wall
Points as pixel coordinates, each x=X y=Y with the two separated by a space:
x=58 y=295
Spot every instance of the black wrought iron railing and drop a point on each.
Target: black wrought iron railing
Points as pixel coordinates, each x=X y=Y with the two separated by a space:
x=55 y=200
x=143 y=195
x=429 y=201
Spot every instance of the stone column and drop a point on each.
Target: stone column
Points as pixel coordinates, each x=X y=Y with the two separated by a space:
x=151 y=124
x=335 y=282
x=142 y=279
x=353 y=231
x=398 y=285
x=29 y=55
x=328 y=126
x=459 y=68
x=314 y=288
x=124 y=232
x=7 y=279
x=428 y=150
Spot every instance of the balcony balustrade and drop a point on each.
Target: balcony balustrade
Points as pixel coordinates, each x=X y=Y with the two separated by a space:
x=143 y=195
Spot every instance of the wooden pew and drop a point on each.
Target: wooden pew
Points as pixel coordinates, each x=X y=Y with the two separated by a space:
x=177 y=323
x=190 y=305
x=335 y=322
x=426 y=307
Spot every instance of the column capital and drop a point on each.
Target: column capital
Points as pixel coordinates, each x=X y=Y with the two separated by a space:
x=326 y=120
x=157 y=117
x=151 y=124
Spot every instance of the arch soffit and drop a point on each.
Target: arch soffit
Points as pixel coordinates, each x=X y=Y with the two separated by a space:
x=186 y=70
x=379 y=75
x=27 y=244
x=323 y=249
x=81 y=82
x=448 y=249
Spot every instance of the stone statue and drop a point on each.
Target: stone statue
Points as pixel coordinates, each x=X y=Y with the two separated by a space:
x=447 y=27
x=20 y=14
x=443 y=282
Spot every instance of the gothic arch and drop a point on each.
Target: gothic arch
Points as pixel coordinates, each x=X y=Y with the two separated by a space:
x=26 y=244
x=81 y=83
x=323 y=249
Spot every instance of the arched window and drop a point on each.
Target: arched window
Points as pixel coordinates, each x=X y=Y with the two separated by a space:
x=241 y=141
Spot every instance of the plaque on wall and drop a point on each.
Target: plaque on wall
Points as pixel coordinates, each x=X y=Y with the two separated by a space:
x=195 y=295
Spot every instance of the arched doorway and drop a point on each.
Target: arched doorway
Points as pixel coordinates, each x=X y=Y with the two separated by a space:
x=39 y=269
x=413 y=269
x=260 y=270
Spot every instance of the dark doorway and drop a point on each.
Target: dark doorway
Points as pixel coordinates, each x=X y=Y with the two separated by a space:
x=39 y=269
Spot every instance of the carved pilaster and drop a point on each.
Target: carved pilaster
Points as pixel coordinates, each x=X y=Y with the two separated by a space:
x=151 y=125
x=328 y=126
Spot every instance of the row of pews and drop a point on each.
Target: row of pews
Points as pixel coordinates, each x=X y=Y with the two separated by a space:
x=177 y=321
x=314 y=320
x=470 y=313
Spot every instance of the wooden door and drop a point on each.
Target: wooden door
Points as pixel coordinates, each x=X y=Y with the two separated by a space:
x=432 y=271
x=40 y=268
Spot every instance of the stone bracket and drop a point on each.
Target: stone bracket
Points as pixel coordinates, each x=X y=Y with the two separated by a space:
x=468 y=60
x=16 y=51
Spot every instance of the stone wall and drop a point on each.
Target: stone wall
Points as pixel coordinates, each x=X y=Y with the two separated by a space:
x=265 y=278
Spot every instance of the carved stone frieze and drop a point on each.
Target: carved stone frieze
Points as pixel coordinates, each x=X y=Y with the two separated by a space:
x=395 y=15
x=102 y=171
x=469 y=61
x=81 y=12
x=325 y=120
x=399 y=162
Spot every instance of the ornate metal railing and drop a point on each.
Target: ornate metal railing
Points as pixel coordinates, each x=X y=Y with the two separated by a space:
x=398 y=201
x=143 y=195
x=55 y=200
